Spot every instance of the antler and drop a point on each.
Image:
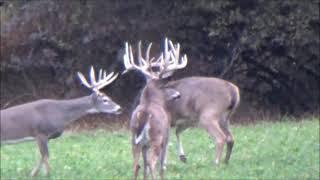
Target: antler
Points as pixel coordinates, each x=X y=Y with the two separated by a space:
x=166 y=63
x=103 y=79
x=171 y=58
x=145 y=64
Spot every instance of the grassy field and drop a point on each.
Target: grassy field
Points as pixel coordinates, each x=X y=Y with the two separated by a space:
x=283 y=150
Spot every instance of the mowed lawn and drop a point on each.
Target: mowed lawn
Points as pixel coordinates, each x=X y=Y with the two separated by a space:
x=282 y=150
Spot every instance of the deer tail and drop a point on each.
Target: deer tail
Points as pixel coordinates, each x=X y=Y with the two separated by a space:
x=143 y=130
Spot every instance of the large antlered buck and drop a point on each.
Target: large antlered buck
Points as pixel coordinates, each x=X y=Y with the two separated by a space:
x=206 y=102
x=150 y=121
x=45 y=119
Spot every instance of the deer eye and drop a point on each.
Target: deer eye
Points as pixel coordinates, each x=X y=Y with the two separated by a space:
x=105 y=100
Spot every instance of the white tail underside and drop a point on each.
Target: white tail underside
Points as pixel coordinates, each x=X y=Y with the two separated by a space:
x=144 y=135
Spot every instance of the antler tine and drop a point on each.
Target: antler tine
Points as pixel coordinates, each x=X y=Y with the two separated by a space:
x=107 y=80
x=166 y=51
x=175 y=49
x=103 y=79
x=104 y=74
x=131 y=59
x=167 y=54
x=143 y=64
x=177 y=63
x=92 y=76
x=100 y=74
x=148 y=54
x=161 y=63
x=142 y=61
x=83 y=80
x=126 y=57
x=107 y=77
x=172 y=58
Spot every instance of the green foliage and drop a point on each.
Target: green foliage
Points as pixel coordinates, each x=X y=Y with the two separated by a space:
x=284 y=150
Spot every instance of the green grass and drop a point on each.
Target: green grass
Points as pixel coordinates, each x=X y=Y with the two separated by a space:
x=283 y=150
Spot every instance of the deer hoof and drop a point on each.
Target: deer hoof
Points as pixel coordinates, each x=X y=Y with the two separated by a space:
x=216 y=163
x=34 y=172
x=183 y=158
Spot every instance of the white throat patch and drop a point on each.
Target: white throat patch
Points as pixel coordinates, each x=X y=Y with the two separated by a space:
x=92 y=110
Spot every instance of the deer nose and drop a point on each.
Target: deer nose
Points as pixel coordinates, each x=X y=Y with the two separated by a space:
x=118 y=110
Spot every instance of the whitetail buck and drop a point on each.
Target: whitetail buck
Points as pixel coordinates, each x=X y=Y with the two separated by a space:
x=209 y=104
x=206 y=102
x=150 y=121
x=46 y=118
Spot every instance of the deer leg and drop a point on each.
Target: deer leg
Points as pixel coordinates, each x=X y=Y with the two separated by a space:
x=216 y=131
x=163 y=157
x=37 y=167
x=154 y=156
x=47 y=165
x=145 y=162
x=164 y=152
x=162 y=165
x=229 y=138
x=42 y=142
x=45 y=153
x=213 y=128
x=179 y=130
x=136 y=151
x=230 y=143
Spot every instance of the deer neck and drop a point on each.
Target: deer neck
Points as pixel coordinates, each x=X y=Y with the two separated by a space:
x=76 y=108
x=152 y=94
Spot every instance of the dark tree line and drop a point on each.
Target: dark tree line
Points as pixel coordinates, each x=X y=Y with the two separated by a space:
x=270 y=49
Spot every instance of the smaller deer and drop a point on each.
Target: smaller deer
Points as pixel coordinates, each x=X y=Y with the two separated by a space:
x=150 y=121
x=46 y=118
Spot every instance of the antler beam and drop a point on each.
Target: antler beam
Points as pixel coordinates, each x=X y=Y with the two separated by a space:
x=166 y=63
x=103 y=79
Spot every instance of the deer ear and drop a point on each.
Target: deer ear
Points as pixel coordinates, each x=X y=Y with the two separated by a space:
x=171 y=94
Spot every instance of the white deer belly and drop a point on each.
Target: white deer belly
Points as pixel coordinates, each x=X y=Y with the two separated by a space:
x=15 y=141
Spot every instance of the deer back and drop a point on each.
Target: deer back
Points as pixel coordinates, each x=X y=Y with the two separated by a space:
x=152 y=104
x=152 y=109
x=202 y=93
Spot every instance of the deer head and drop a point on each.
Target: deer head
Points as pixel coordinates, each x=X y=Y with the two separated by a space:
x=100 y=101
x=156 y=69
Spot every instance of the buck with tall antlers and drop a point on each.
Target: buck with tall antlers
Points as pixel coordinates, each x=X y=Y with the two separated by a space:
x=45 y=119
x=206 y=102
x=150 y=121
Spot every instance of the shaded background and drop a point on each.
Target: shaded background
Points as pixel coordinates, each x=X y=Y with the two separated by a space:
x=270 y=49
